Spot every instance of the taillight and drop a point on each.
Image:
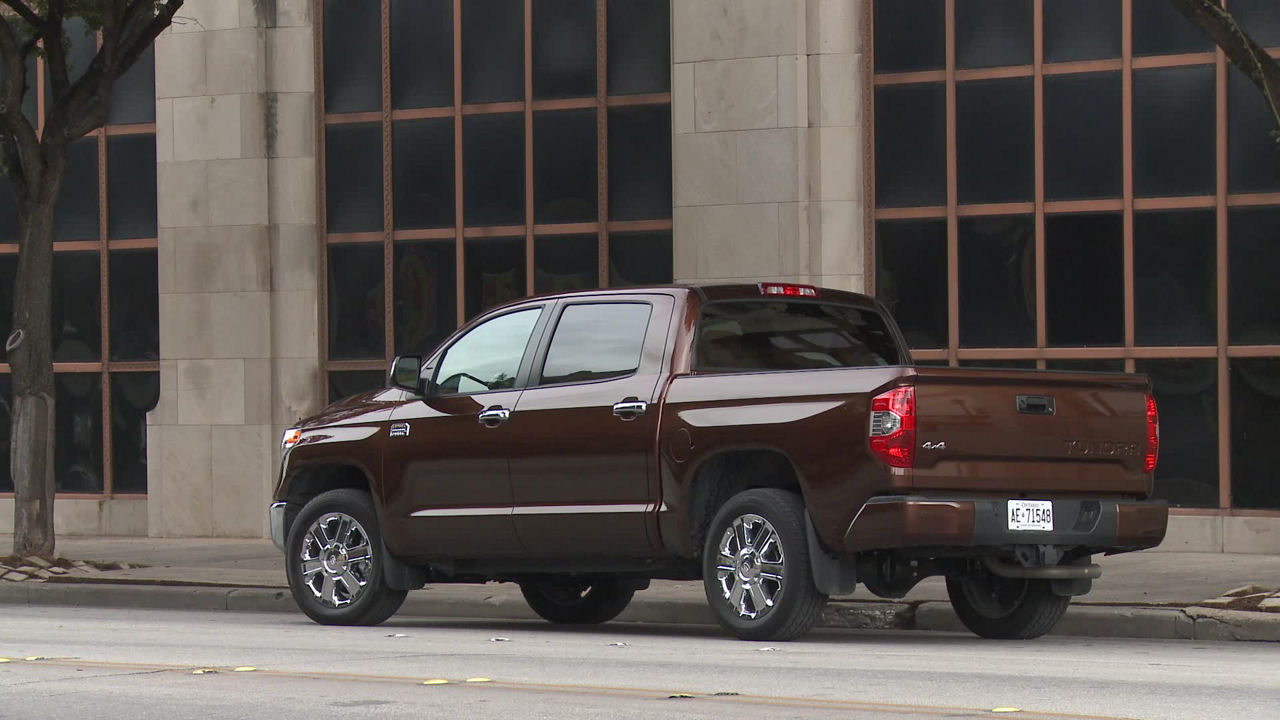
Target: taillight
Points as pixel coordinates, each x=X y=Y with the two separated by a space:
x=1153 y=435
x=893 y=427
x=788 y=289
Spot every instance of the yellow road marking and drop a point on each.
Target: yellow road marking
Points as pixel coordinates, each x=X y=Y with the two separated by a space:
x=436 y=681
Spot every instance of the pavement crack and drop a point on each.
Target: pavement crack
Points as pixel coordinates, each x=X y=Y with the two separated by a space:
x=84 y=676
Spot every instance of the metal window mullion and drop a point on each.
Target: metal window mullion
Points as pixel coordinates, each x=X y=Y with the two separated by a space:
x=104 y=314
x=529 y=252
x=953 y=229
x=459 y=244
x=1221 y=289
x=388 y=207
x=1126 y=93
x=602 y=142
x=871 y=243
x=322 y=261
x=1041 y=310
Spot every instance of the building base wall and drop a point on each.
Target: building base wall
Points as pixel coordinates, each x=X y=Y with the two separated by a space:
x=115 y=516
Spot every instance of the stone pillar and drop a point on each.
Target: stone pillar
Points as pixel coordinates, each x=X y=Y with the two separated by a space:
x=768 y=145
x=235 y=134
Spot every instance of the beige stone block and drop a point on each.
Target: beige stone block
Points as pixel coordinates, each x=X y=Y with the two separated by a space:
x=166 y=259
x=1191 y=533
x=793 y=91
x=835 y=83
x=241 y=324
x=835 y=163
x=292 y=190
x=294 y=258
x=701 y=30
x=180 y=493
x=793 y=238
x=836 y=234
x=835 y=26
x=292 y=13
x=684 y=241
x=235 y=61
x=736 y=94
x=166 y=410
x=241 y=480
x=211 y=392
x=295 y=324
x=291 y=60
x=682 y=102
x=182 y=194
x=737 y=241
x=768 y=27
x=771 y=165
x=185 y=322
x=204 y=15
x=290 y=127
x=180 y=70
x=253 y=125
x=1253 y=535
x=297 y=390
x=125 y=516
x=257 y=391
x=851 y=283
x=77 y=517
x=223 y=259
x=238 y=192
x=705 y=168
x=164 y=130
x=207 y=127
x=6 y=520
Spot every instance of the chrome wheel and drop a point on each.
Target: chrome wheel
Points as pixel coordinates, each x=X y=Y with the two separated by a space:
x=336 y=560
x=750 y=566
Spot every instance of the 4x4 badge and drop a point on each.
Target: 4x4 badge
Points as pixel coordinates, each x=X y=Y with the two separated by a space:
x=400 y=430
x=926 y=446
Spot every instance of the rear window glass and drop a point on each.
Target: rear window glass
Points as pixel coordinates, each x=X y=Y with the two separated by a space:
x=787 y=335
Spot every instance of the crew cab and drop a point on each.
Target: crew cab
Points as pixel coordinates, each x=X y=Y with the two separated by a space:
x=773 y=440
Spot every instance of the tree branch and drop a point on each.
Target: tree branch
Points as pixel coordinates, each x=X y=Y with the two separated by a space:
x=24 y=12
x=55 y=54
x=22 y=147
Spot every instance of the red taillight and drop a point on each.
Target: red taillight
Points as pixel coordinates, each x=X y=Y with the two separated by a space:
x=893 y=427
x=1153 y=435
x=788 y=290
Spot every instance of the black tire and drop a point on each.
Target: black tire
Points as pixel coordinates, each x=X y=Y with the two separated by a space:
x=570 y=601
x=322 y=590
x=776 y=567
x=1005 y=608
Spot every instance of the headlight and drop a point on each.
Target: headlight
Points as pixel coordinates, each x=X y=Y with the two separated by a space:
x=291 y=438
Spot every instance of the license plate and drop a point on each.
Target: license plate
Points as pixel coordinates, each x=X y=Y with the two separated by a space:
x=1030 y=515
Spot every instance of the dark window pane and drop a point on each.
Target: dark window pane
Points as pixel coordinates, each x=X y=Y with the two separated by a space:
x=1110 y=366
x=1159 y=29
x=1253 y=158
x=993 y=32
x=77 y=317
x=421 y=53
x=1260 y=19
x=494 y=273
x=492 y=50
x=1174 y=278
x=561 y=264
x=131 y=186
x=1174 y=118
x=910 y=35
x=1255 y=424
x=911 y=137
x=426 y=301
x=493 y=169
x=77 y=465
x=80 y=44
x=1084 y=279
x=1187 y=397
x=596 y=342
x=911 y=278
x=995 y=140
x=640 y=259
x=1253 y=247
x=6 y=424
x=133 y=395
x=1081 y=30
x=133 y=98
x=423 y=177
x=135 y=303
x=786 y=335
x=639 y=46
x=640 y=162
x=564 y=166
x=1083 y=136
x=346 y=384
x=1000 y=364
x=76 y=216
x=29 y=97
x=353 y=178
x=352 y=56
x=564 y=48
x=8 y=275
x=356 y=316
x=997 y=282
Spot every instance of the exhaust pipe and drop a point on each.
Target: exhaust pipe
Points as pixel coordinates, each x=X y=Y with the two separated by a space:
x=1055 y=572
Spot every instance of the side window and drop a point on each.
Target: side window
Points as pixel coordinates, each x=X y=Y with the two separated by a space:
x=596 y=342
x=487 y=357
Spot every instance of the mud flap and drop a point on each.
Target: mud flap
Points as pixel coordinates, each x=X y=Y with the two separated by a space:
x=399 y=576
x=831 y=575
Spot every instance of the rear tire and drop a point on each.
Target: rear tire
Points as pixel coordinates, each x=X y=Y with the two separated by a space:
x=568 y=601
x=1005 y=608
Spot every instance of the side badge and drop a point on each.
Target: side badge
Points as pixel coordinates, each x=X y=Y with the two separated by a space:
x=926 y=446
x=399 y=430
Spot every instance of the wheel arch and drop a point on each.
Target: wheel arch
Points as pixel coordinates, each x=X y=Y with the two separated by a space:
x=726 y=473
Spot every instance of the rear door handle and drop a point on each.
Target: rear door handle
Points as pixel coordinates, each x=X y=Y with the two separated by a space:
x=494 y=416
x=630 y=408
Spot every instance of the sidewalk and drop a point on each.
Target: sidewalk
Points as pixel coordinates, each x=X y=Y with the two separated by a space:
x=1145 y=595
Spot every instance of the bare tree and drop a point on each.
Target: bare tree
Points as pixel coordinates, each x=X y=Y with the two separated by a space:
x=36 y=163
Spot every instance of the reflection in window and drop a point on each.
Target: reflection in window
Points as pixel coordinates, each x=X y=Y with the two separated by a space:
x=423 y=177
x=1000 y=364
x=1187 y=396
x=135 y=305
x=1260 y=19
x=76 y=214
x=495 y=273
x=353 y=178
x=77 y=465
x=133 y=395
x=995 y=140
x=1083 y=136
x=1081 y=30
x=1253 y=254
x=1174 y=278
x=997 y=282
x=133 y=97
x=1084 y=279
x=425 y=295
x=1255 y=424
x=911 y=278
x=493 y=169
x=77 y=318
x=131 y=186
x=1159 y=29
x=356 y=317
x=352 y=56
x=989 y=33
x=1109 y=365
x=564 y=166
x=564 y=49
x=488 y=356
x=596 y=342
x=492 y=51
x=781 y=335
x=640 y=259
x=911 y=145
x=562 y=264
x=639 y=46
x=640 y=162
x=1253 y=161
x=421 y=53
x=353 y=382
x=910 y=35
x=1174 y=157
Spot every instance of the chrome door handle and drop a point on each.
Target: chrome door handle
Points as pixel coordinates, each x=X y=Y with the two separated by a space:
x=630 y=409
x=494 y=416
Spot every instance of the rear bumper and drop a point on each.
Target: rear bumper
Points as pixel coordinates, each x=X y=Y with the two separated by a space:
x=918 y=521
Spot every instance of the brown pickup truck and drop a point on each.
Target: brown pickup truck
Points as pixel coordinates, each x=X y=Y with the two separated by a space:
x=774 y=440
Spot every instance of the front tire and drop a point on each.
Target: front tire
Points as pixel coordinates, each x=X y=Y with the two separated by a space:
x=334 y=560
x=1005 y=608
x=568 y=601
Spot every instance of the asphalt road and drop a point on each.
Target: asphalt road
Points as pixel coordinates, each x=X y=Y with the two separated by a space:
x=96 y=663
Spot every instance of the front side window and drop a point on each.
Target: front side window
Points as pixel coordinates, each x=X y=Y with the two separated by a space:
x=596 y=342
x=488 y=357
x=777 y=335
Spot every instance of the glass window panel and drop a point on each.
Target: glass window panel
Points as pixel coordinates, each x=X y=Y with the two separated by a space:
x=492 y=50
x=6 y=420
x=639 y=46
x=353 y=178
x=494 y=273
x=911 y=152
x=564 y=166
x=997 y=282
x=135 y=305
x=1175 y=278
x=1174 y=117
x=493 y=169
x=1000 y=364
x=995 y=140
x=133 y=98
x=352 y=382
x=1187 y=396
x=1253 y=254
x=76 y=215
x=993 y=32
x=8 y=275
x=596 y=342
x=561 y=264
x=488 y=356
x=423 y=173
x=640 y=259
x=29 y=97
x=564 y=48
x=1083 y=136
x=771 y=334
x=131 y=186
x=421 y=53
x=77 y=317
x=1253 y=158
x=1260 y=19
x=1084 y=279
x=1108 y=365
x=77 y=465
x=356 y=305
x=352 y=56
x=133 y=395
x=1081 y=30
x=1159 y=29
x=426 y=299
x=81 y=45
x=1255 y=424
x=640 y=162
x=910 y=35
x=911 y=278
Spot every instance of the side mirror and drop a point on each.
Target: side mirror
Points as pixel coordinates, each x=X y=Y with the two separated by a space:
x=404 y=373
